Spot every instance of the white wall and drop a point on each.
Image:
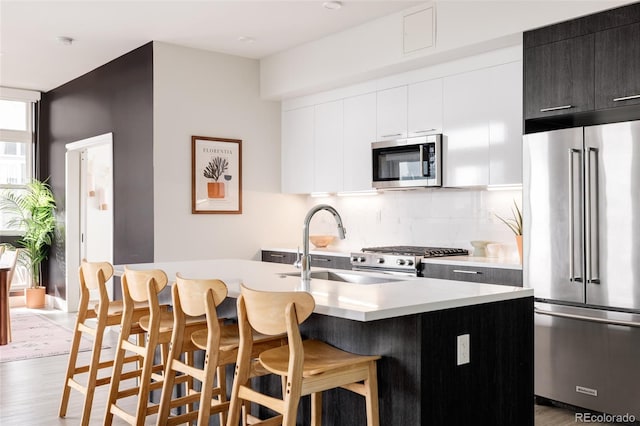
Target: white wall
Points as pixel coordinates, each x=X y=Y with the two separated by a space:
x=426 y=217
x=210 y=94
x=374 y=49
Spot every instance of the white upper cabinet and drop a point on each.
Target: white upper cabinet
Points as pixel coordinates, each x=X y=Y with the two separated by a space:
x=326 y=147
x=328 y=151
x=425 y=108
x=482 y=127
x=505 y=124
x=466 y=129
x=359 y=132
x=392 y=113
x=298 y=150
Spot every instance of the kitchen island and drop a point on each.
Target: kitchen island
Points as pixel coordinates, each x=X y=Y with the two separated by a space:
x=414 y=324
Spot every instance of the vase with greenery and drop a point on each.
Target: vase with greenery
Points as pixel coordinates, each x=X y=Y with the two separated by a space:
x=515 y=224
x=32 y=212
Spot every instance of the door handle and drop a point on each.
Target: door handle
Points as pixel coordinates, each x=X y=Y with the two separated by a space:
x=626 y=98
x=556 y=108
x=590 y=202
x=461 y=271
x=572 y=250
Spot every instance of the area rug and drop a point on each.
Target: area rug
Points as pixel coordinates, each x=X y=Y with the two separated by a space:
x=36 y=336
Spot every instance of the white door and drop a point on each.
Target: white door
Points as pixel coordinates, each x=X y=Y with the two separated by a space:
x=89 y=209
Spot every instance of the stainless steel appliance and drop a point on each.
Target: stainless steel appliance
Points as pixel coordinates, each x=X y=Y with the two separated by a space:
x=410 y=162
x=399 y=260
x=581 y=202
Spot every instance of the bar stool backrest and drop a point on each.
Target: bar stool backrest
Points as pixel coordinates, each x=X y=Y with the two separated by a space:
x=137 y=282
x=266 y=310
x=93 y=275
x=192 y=294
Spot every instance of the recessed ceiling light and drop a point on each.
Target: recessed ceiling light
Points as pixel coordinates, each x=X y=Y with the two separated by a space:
x=332 y=5
x=65 y=40
x=246 y=39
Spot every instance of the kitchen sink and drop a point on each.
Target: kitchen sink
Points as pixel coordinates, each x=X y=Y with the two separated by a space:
x=346 y=277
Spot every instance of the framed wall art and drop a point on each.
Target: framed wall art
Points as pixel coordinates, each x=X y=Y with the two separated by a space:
x=216 y=175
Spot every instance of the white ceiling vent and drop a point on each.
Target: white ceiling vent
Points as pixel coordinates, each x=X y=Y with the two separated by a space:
x=419 y=30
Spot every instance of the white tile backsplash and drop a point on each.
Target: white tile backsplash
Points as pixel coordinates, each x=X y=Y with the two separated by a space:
x=429 y=217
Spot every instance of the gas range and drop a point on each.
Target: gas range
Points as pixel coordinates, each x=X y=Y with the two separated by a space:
x=402 y=260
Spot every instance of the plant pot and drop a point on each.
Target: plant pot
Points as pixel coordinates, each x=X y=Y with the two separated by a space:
x=215 y=189
x=519 y=243
x=34 y=297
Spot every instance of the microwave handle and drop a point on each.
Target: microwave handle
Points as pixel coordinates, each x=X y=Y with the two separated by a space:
x=423 y=163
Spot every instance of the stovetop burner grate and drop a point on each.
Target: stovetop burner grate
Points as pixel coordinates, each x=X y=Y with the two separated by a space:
x=417 y=251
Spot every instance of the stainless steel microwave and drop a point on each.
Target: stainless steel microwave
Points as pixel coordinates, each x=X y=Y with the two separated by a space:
x=409 y=162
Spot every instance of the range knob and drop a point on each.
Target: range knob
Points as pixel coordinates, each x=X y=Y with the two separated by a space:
x=380 y=260
x=409 y=262
x=361 y=259
x=354 y=258
x=400 y=262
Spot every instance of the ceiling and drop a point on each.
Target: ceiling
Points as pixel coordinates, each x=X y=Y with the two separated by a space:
x=32 y=57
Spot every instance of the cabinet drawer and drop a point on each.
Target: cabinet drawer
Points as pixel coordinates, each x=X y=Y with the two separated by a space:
x=500 y=276
x=333 y=262
x=278 y=257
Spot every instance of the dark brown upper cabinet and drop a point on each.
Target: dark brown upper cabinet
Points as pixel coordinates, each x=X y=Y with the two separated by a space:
x=617 y=67
x=583 y=72
x=558 y=77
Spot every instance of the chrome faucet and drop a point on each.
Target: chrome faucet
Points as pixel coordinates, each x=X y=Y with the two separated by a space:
x=305 y=262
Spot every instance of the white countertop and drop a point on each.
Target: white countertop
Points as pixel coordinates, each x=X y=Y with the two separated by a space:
x=360 y=302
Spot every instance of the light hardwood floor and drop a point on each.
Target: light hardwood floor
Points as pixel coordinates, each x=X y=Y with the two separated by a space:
x=30 y=391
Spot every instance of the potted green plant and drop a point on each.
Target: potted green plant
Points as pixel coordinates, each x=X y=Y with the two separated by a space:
x=32 y=211
x=515 y=224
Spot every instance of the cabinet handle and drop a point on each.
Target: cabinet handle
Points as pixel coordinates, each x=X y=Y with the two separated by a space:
x=556 y=108
x=279 y=256
x=395 y=134
x=425 y=131
x=460 y=271
x=321 y=259
x=626 y=98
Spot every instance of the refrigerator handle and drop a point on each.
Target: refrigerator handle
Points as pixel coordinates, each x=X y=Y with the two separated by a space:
x=572 y=276
x=592 y=199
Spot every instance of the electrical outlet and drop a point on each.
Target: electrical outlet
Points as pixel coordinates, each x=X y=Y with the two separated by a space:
x=464 y=353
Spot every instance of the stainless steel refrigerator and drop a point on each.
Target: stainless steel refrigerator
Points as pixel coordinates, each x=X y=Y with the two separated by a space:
x=581 y=206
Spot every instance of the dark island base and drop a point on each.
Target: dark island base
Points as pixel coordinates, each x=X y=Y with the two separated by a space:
x=419 y=381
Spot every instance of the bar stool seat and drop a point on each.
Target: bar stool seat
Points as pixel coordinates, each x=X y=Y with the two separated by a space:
x=319 y=358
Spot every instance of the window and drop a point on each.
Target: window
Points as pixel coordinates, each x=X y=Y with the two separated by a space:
x=16 y=149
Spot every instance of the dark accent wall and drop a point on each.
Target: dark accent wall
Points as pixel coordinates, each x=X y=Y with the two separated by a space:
x=116 y=97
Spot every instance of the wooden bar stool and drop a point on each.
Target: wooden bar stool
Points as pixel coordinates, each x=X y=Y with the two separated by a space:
x=193 y=298
x=93 y=276
x=306 y=367
x=138 y=287
x=220 y=342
